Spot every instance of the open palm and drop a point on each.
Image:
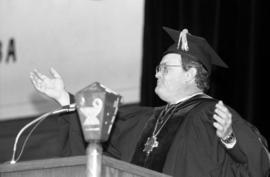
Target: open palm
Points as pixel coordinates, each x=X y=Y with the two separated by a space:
x=52 y=87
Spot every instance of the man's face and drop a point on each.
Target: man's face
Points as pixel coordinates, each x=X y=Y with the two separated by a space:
x=170 y=78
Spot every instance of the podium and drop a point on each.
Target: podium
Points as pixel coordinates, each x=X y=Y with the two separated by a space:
x=74 y=167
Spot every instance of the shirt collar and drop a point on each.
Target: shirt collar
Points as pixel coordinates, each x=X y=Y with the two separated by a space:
x=188 y=97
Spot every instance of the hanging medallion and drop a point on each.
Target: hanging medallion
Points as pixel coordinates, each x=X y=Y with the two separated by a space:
x=150 y=144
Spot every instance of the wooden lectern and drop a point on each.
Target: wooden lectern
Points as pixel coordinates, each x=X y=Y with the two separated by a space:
x=74 y=167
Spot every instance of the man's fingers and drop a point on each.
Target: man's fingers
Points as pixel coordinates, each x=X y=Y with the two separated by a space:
x=37 y=80
x=223 y=119
x=220 y=113
x=219 y=119
x=34 y=79
x=218 y=127
x=55 y=73
x=220 y=105
x=39 y=76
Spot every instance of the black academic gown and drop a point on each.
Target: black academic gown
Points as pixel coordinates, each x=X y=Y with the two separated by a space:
x=196 y=151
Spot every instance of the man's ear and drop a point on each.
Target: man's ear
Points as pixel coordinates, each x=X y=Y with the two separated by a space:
x=191 y=73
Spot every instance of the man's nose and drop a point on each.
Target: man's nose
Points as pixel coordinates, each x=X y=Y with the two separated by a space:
x=158 y=74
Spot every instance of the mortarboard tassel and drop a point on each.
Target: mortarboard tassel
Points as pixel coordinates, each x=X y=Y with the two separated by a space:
x=183 y=40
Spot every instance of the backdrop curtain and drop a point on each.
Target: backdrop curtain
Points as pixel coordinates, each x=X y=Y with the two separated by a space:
x=237 y=30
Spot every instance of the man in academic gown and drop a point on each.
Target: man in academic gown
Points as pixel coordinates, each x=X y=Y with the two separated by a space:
x=194 y=134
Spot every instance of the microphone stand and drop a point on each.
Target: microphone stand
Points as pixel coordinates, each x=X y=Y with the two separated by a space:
x=68 y=108
x=94 y=159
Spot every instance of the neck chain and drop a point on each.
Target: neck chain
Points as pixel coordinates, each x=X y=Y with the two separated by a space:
x=152 y=142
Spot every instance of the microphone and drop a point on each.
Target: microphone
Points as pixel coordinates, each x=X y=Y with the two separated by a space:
x=97 y=107
x=67 y=108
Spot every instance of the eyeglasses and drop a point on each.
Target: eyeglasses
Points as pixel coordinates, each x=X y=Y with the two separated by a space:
x=163 y=68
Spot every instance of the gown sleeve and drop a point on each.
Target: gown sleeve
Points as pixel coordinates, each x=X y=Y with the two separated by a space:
x=197 y=151
x=248 y=158
x=249 y=141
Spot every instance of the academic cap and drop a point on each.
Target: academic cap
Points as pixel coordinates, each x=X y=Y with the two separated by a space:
x=197 y=48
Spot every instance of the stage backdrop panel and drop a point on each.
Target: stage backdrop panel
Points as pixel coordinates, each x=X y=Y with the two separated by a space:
x=84 y=40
